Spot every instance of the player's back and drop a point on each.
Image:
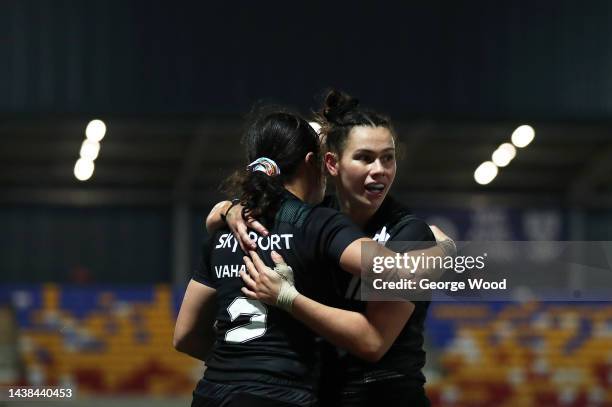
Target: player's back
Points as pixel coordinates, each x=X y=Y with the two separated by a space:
x=260 y=343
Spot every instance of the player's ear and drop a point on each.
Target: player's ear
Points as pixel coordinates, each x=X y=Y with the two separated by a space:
x=309 y=159
x=331 y=163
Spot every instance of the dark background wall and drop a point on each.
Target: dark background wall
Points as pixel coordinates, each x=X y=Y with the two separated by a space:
x=437 y=58
x=40 y=244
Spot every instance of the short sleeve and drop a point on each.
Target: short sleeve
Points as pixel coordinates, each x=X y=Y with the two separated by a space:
x=202 y=274
x=333 y=231
x=411 y=233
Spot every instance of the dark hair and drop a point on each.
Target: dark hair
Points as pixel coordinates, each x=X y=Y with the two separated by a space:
x=340 y=113
x=283 y=137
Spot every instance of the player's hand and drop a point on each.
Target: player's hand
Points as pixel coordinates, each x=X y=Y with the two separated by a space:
x=281 y=268
x=240 y=227
x=444 y=242
x=261 y=283
x=271 y=286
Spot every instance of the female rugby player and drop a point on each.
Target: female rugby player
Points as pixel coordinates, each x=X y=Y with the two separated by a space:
x=361 y=160
x=260 y=355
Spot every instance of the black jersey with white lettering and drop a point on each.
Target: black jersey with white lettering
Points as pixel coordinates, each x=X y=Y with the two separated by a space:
x=256 y=342
x=391 y=223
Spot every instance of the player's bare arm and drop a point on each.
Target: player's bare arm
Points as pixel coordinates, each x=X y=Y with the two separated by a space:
x=194 y=332
x=366 y=336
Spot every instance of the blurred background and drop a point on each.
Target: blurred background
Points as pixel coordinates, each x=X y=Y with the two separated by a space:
x=118 y=120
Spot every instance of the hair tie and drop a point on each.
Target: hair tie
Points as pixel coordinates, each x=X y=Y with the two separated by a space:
x=265 y=165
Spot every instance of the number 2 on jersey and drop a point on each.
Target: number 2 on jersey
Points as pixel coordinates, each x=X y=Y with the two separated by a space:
x=257 y=325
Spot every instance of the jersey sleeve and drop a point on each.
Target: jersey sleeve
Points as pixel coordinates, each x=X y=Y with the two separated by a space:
x=412 y=234
x=203 y=274
x=333 y=231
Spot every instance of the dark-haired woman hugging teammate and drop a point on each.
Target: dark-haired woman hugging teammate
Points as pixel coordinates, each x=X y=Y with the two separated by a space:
x=260 y=355
x=361 y=158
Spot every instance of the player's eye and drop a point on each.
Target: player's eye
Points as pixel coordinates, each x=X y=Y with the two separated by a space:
x=388 y=158
x=363 y=157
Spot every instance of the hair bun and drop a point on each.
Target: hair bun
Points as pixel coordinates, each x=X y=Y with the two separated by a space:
x=337 y=104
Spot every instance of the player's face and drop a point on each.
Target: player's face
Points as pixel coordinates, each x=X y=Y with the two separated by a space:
x=367 y=167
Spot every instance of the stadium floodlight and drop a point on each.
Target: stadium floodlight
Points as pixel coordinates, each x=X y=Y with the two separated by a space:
x=503 y=155
x=83 y=169
x=523 y=135
x=90 y=149
x=316 y=126
x=485 y=173
x=96 y=129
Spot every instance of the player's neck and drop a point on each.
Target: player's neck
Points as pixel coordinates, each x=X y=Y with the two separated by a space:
x=359 y=215
x=297 y=188
x=303 y=185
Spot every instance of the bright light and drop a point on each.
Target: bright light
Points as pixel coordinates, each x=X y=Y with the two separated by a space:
x=504 y=154
x=90 y=149
x=523 y=135
x=83 y=169
x=316 y=126
x=485 y=173
x=96 y=129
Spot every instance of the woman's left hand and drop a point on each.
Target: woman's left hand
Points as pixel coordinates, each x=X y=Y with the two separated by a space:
x=271 y=286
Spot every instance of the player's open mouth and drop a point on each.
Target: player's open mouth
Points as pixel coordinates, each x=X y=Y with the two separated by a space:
x=375 y=189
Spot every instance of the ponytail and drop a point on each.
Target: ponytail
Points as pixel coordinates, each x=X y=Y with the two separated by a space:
x=276 y=144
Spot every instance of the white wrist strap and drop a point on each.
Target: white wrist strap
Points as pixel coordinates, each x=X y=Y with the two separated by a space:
x=287 y=292
x=286 y=296
x=448 y=247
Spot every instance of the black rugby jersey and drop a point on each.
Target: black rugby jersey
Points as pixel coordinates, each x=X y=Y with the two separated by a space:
x=406 y=357
x=256 y=342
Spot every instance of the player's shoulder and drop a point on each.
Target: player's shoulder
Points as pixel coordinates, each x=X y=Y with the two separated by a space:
x=413 y=229
x=392 y=212
x=293 y=211
x=414 y=223
x=297 y=213
x=402 y=220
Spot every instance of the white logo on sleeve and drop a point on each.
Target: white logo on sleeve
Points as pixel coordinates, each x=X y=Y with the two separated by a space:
x=352 y=292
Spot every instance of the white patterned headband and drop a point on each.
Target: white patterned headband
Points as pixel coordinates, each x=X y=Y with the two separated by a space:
x=265 y=165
